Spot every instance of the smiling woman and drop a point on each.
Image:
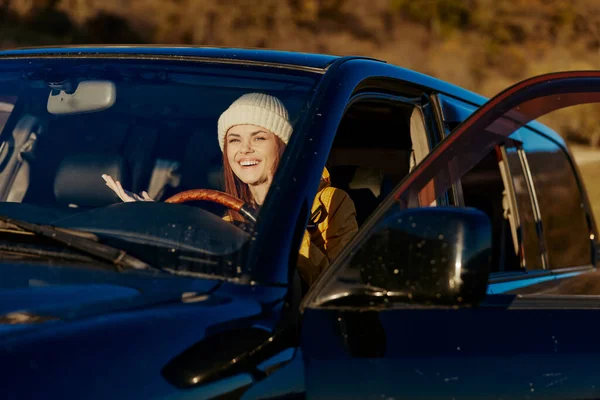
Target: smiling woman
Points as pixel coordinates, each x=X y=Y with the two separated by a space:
x=253 y=133
x=252 y=154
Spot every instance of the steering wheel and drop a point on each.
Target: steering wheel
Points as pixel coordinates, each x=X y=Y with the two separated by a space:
x=214 y=196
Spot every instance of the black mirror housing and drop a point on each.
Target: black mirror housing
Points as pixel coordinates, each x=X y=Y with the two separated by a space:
x=434 y=255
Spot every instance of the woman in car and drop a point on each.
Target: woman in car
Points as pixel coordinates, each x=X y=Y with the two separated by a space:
x=253 y=133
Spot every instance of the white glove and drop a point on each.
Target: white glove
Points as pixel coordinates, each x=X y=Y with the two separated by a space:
x=123 y=194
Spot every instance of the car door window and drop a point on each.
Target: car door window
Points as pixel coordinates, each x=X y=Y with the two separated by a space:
x=379 y=139
x=498 y=186
x=563 y=216
x=516 y=196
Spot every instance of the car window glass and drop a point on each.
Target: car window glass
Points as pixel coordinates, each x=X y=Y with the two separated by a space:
x=454 y=112
x=498 y=186
x=564 y=223
x=158 y=132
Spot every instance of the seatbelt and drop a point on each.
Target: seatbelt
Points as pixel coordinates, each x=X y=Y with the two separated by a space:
x=316 y=218
x=320 y=214
x=23 y=141
x=20 y=184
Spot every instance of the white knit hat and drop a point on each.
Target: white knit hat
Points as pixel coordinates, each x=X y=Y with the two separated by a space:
x=256 y=109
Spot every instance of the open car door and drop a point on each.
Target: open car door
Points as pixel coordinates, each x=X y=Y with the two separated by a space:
x=372 y=336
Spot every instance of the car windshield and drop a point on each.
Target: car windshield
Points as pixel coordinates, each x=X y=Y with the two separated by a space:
x=151 y=125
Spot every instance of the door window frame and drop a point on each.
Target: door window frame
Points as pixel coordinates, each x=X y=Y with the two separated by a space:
x=454 y=110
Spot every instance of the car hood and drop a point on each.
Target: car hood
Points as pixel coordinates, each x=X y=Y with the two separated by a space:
x=33 y=294
x=106 y=330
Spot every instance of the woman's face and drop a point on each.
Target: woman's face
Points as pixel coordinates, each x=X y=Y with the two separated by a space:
x=251 y=152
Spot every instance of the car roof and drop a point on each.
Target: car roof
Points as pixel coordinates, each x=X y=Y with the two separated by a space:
x=308 y=60
x=317 y=62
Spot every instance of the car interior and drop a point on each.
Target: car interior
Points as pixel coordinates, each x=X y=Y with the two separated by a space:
x=147 y=143
x=373 y=150
x=379 y=141
x=61 y=160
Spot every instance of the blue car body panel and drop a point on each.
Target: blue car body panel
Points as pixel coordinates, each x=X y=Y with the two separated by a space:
x=118 y=334
x=441 y=354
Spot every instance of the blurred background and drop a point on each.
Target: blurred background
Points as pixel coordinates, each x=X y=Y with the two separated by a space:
x=482 y=45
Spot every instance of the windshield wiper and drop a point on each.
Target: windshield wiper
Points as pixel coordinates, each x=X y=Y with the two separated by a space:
x=82 y=241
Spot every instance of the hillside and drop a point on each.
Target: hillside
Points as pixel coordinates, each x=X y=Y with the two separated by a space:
x=483 y=45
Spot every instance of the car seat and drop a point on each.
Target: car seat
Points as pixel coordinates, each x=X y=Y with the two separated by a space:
x=363 y=185
x=68 y=136
x=78 y=182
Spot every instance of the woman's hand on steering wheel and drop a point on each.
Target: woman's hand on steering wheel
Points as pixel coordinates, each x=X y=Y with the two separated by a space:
x=214 y=196
x=123 y=194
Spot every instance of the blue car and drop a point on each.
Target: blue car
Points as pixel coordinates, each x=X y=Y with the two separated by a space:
x=472 y=273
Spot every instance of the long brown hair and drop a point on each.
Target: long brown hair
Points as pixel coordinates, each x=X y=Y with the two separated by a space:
x=235 y=187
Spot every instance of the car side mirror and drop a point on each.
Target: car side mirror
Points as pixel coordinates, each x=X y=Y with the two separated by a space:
x=434 y=255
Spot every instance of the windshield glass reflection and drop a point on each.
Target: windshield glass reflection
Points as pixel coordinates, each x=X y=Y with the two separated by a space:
x=100 y=145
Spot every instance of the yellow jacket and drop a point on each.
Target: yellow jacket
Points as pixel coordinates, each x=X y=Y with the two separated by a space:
x=333 y=223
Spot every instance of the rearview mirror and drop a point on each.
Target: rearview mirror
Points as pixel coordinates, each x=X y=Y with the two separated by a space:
x=434 y=255
x=88 y=96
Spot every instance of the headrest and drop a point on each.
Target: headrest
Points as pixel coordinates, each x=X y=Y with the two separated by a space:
x=79 y=180
x=367 y=178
